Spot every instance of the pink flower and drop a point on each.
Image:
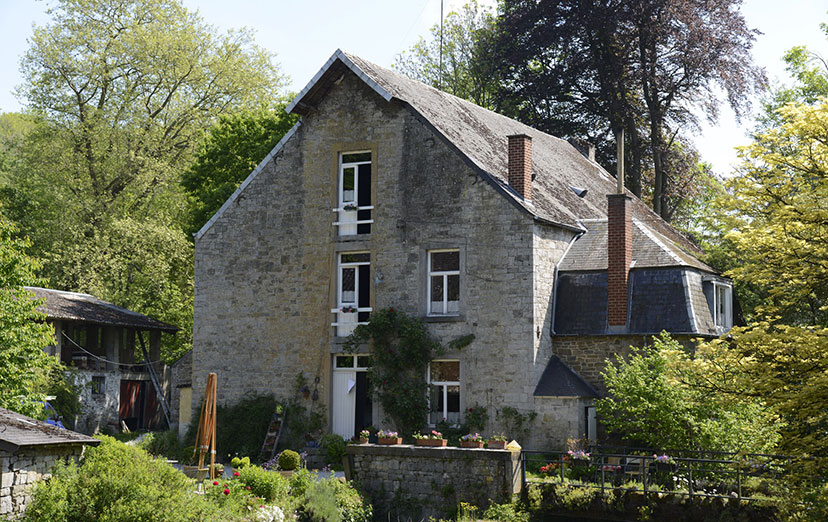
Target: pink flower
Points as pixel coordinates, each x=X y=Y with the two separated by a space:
x=215 y=482
x=235 y=473
x=226 y=491
x=248 y=488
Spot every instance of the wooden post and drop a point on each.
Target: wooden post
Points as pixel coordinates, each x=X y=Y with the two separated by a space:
x=206 y=434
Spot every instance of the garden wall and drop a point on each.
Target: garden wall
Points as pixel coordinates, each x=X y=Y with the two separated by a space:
x=20 y=470
x=417 y=482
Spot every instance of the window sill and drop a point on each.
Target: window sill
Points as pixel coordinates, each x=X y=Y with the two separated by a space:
x=354 y=237
x=444 y=318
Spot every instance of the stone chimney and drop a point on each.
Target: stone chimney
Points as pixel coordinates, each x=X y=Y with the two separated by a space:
x=586 y=148
x=619 y=256
x=520 y=165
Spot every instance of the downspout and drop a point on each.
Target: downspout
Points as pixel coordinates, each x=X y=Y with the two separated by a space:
x=555 y=278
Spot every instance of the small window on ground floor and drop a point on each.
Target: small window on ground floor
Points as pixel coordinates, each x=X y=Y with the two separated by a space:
x=444 y=392
x=98 y=385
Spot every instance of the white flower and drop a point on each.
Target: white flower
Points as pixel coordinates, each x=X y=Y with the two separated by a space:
x=270 y=514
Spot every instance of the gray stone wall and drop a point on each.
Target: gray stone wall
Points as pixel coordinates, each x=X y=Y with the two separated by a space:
x=414 y=483
x=21 y=470
x=99 y=411
x=265 y=272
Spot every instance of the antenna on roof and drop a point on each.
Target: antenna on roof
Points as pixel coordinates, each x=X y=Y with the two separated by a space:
x=619 y=142
x=440 y=75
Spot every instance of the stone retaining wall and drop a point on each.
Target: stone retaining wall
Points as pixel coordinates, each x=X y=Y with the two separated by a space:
x=410 y=482
x=20 y=470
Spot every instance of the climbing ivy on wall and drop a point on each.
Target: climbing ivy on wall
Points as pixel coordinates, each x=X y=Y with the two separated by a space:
x=402 y=348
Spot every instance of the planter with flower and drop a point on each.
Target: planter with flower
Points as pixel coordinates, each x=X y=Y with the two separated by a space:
x=388 y=438
x=580 y=465
x=471 y=440
x=435 y=438
x=664 y=463
x=364 y=435
x=348 y=309
x=497 y=441
x=350 y=207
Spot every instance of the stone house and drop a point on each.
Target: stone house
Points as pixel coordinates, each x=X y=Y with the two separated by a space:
x=390 y=193
x=101 y=343
x=29 y=449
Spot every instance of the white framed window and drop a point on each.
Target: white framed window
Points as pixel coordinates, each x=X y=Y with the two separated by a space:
x=444 y=391
x=722 y=305
x=443 y=282
x=352 y=362
x=353 y=292
x=354 y=194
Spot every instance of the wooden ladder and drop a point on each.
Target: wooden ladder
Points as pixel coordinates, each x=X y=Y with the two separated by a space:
x=274 y=430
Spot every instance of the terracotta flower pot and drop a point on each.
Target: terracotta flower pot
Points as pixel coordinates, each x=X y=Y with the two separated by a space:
x=497 y=444
x=389 y=441
x=363 y=441
x=471 y=443
x=432 y=442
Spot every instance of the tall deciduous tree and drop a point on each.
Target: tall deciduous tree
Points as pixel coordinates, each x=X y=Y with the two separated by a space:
x=591 y=66
x=125 y=91
x=466 y=70
x=24 y=366
x=232 y=149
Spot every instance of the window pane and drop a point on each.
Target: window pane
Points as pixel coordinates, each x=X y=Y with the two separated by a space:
x=349 y=285
x=348 y=184
x=435 y=398
x=356 y=258
x=453 y=290
x=436 y=306
x=445 y=371
x=353 y=158
x=445 y=261
x=364 y=361
x=344 y=361
x=453 y=402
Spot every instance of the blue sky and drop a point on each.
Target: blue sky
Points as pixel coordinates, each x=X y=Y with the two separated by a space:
x=304 y=34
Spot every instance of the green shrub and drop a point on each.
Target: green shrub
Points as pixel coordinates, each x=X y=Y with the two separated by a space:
x=320 y=503
x=352 y=507
x=269 y=485
x=115 y=482
x=334 y=446
x=300 y=482
x=240 y=463
x=506 y=512
x=289 y=460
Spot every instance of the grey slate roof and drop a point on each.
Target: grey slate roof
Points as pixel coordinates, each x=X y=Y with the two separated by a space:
x=559 y=380
x=72 y=306
x=18 y=431
x=480 y=136
x=650 y=249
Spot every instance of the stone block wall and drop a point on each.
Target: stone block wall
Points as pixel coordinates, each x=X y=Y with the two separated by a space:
x=99 y=410
x=410 y=482
x=19 y=472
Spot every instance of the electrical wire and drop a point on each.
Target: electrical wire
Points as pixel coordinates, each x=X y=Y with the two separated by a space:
x=81 y=348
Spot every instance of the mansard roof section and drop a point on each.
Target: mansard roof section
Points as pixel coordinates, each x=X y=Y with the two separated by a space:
x=650 y=249
x=480 y=135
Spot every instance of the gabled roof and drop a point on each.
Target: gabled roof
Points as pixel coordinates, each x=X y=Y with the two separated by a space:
x=650 y=249
x=559 y=380
x=18 y=431
x=72 y=306
x=480 y=136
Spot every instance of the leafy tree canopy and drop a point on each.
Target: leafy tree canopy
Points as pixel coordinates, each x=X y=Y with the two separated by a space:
x=655 y=398
x=24 y=366
x=232 y=149
x=120 y=96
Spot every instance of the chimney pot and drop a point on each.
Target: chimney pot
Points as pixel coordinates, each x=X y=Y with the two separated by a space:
x=520 y=165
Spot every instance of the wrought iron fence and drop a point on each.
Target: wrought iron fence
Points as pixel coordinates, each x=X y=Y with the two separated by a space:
x=680 y=472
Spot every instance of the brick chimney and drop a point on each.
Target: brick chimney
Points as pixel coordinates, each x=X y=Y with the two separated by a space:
x=520 y=165
x=619 y=256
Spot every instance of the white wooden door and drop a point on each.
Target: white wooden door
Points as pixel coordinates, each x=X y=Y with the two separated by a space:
x=344 y=402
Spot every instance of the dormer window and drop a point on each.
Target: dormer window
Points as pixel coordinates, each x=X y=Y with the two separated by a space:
x=354 y=202
x=722 y=306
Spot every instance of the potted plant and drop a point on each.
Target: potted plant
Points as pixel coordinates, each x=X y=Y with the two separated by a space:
x=350 y=206
x=435 y=438
x=579 y=458
x=388 y=438
x=497 y=441
x=664 y=463
x=364 y=435
x=471 y=440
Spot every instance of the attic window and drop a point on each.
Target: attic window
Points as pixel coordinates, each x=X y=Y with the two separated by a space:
x=722 y=306
x=354 y=194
